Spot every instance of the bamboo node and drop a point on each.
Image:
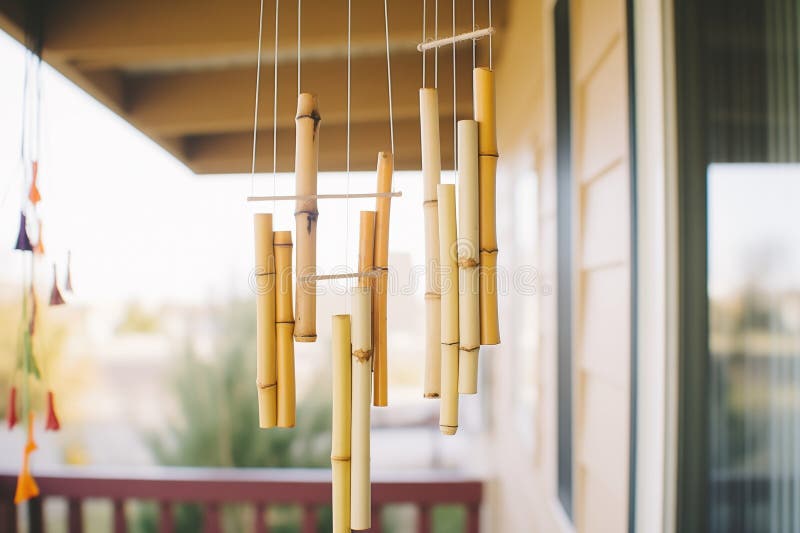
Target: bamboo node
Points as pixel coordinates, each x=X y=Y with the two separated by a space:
x=314 y=115
x=312 y=216
x=264 y=274
x=305 y=338
x=282 y=245
x=433 y=296
x=430 y=202
x=431 y=395
x=340 y=459
x=467 y=262
x=450 y=343
x=469 y=348
x=490 y=251
x=284 y=321
x=494 y=154
x=263 y=386
x=362 y=355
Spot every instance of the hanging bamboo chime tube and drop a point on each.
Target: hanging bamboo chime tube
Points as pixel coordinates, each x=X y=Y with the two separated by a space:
x=340 y=424
x=431 y=173
x=448 y=408
x=484 y=104
x=305 y=215
x=469 y=330
x=266 y=373
x=381 y=284
x=360 y=502
x=284 y=328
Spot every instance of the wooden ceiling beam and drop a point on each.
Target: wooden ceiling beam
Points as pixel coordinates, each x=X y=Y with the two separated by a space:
x=158 y=34
x=232 y=152
x=190 y=103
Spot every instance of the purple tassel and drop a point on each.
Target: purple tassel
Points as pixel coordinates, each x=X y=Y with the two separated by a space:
x=23 y=242
x=55 y=294
x=68 y=281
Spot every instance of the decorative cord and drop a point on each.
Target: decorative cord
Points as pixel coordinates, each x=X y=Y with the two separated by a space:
x=255 y=112
x=389 y=73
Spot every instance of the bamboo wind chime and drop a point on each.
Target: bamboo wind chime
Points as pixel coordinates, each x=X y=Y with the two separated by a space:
x=460 y=254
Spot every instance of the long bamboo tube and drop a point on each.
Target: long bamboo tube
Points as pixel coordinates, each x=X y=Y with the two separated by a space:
x=484 y=104
x=469 y=329
x=284 y=328
x=305 y=215
x=448 y=407
x=431 y=174
x=360 y=503
x=380 y=292
x=340 y=428
x=266 y=377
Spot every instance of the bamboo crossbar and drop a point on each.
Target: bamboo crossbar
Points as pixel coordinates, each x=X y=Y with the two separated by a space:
x=394 y=194
x=449 y=41
x=374 y=273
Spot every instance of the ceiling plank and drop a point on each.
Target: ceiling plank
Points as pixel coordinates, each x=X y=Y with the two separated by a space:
x=222 y=100
x=232 y=152
x=149 y=34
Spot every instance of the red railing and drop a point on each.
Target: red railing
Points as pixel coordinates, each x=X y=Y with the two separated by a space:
x=212 y=488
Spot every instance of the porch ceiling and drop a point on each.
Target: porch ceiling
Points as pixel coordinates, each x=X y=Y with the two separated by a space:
x=183 y=72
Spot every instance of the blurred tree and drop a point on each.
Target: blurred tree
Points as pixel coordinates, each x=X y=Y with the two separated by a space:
x=217 y=423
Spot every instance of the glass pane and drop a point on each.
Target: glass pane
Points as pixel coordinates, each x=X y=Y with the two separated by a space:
x=754 y=343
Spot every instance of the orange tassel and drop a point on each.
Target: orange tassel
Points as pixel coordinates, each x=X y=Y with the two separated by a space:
x=33 y=193
x=12 y=408
x=52 y=419
x=26 y=485
x=55 y=294
x=39 y=248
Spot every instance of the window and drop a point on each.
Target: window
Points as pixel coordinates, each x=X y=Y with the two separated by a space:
x=564 y=251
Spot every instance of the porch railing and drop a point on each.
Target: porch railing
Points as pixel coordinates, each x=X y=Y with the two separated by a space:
x=213 y=488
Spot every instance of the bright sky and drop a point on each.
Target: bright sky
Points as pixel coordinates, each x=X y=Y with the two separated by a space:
x=139 y=224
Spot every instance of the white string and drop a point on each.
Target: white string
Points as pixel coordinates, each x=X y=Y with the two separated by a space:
x=275 y=109
x=255 y=112
x=436 y=52
x=474 y=42
x=455 y=133
x=347 y=202
x=490 y=37
x=299 y=9
x=389 y=73
x=424 y=35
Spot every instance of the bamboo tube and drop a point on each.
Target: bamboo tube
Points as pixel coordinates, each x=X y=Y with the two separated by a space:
x=380 y=292
x=469 y=330
x=284 y=325
x=305 y=215
x=484 y=103
x=265 y=322
x=448 y=408
x=340 y=428
x=431 y=174
x=360 y=502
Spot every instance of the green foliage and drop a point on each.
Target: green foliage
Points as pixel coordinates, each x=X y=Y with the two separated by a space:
x=217 y=424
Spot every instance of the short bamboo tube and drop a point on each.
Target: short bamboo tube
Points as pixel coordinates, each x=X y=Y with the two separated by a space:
x=448 y=407
x=431 y=175
x=469 y=330
x=305 y=215
x=340 y=427
x=284 y=328
x=484 y=104
x=266 y=375
x=380 y=292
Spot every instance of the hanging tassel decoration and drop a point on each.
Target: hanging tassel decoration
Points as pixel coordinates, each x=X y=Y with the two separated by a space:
x=23 y=242
x=52 y=423
x=12 y=408
x=68 y=280
x=33 y=193
x=39 y=248
x=55 y=294
x=26 y=485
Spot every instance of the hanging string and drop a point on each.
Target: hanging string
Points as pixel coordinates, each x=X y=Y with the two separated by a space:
x=424 y=35
x=455 y=127
x=474 y=42
x=275 y=108
x=255 y=112
x=490 y=35
x=436 y=51
x=347 y=164
x=389 y=72
x=299 y=11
